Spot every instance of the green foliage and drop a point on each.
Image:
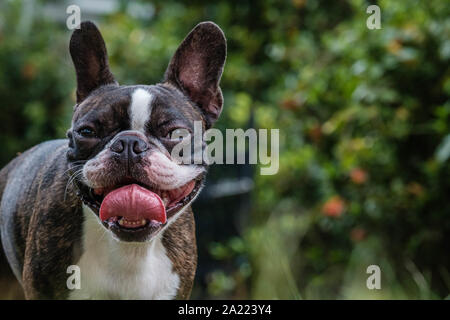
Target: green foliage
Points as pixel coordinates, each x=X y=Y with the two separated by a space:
x=369 y=161
x=364 y=119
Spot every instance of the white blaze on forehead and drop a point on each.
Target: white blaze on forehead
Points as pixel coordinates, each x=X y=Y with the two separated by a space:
x=140 y=109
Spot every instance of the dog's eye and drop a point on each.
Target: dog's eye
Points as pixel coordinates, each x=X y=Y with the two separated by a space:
x=177 y=134
x=86 y=132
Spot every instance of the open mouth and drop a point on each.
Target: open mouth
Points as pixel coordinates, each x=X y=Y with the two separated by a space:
x=134 y=211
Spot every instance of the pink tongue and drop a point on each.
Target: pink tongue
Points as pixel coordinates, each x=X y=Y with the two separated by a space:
x=133 y=202
x=178 y=194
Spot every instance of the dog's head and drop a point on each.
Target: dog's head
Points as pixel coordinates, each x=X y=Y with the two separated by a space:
x=121 y=137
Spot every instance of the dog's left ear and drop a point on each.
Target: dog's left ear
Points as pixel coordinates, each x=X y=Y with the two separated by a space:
x=90 y=59
x=197 y=66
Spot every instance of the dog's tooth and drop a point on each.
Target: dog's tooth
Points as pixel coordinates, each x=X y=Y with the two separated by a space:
x=165 y=198
x=121 y=222
x=143 y=221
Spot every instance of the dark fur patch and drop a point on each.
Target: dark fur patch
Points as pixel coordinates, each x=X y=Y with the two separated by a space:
x=179 y=239
x=47 y=224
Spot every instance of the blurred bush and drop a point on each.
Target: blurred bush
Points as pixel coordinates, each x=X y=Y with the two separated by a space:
x=364 y=120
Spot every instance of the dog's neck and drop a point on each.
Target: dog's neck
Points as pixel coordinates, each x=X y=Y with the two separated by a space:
x=119 y=270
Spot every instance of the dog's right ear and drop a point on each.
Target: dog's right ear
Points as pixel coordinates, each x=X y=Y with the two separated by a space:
x=90 y=58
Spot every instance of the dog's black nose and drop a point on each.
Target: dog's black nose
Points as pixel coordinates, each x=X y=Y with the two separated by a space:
x=129 y=145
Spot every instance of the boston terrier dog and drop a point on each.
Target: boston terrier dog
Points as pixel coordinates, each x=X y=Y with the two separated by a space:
x=110 y=199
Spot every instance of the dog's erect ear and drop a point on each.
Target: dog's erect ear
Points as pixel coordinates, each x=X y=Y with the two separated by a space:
x=197 y=66
x=89 y=56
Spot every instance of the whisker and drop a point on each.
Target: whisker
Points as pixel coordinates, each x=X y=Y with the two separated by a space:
x=72 y=168
x=71 y=180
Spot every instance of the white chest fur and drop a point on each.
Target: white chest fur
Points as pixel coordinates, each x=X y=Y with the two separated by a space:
x=116 y=270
